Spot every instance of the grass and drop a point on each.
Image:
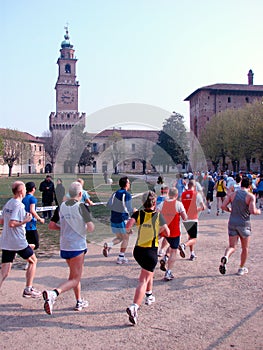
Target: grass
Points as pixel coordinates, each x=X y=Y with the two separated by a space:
x=99 y=192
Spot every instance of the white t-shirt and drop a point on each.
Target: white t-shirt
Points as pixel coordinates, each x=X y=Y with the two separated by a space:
x=72 y=228
x=13 y=238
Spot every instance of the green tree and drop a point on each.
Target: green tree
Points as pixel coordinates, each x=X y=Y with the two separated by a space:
x=172 y=145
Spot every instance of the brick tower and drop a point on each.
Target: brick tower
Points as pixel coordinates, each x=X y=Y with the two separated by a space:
x=67 y=114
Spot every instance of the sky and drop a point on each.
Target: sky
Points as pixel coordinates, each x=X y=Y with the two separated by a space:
x=130 y=53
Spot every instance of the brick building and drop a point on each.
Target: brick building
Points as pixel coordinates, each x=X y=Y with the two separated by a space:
x=209 y=100
x=30 y=152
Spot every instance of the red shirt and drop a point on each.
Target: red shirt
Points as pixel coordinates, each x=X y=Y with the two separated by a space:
x=189 y=202
x=172 y=217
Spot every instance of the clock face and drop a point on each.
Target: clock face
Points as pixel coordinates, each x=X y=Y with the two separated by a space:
x=67 y=97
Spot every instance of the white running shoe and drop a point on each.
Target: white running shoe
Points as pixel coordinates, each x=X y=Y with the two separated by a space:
x=242 y=271
x=31 y=293
x=149 y=300
x=122 y=260
x=49 y=298
x=81 y=304
x=133 y=315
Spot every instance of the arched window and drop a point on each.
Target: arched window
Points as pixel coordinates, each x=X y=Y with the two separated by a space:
x=67 y=68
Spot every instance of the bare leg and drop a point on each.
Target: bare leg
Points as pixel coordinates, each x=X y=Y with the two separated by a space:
x=244 y=252
x=145 y=283
x=5 y=270
x=31 y=270
x=75 y=273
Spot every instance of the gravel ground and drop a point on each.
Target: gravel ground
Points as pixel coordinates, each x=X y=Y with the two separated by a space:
x=199 y=309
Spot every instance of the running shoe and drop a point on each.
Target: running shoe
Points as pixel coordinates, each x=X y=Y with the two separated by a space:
x=31 y=293
x=149 y=300
x=168 y=276
x=182 y=250
x=122 y=260
x=81 y=304
x=106 y=250
x=242 y=271
x=162 y=265
x=49 y=298
x=222 y=267
x=133 y=315
x=192 y=257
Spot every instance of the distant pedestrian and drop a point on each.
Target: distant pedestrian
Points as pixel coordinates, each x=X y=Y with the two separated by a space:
x=59 y=192
x=209 y=192
x=73 y=220
x=85 y=196
x=13 y=239
x=221 y=190
x=243 y=203
x=48 y=192
x=150 y=224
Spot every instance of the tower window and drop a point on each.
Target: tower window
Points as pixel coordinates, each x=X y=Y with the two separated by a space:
x=229 y=99
x=67 y=68
x=68 y=116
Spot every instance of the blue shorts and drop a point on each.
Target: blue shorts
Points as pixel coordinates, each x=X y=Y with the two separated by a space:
x=119 y=227
x=69 y=254
x=173 y=241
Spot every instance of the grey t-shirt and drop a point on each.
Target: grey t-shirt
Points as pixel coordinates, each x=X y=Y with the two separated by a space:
x=13 y=238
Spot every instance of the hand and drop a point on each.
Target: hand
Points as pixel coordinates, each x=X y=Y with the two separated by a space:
x=42 y=220
x=28 y=217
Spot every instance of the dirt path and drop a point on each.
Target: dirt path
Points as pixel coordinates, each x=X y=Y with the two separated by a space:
x=199 y=309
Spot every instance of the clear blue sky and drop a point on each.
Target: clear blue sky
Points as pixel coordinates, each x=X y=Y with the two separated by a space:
x=153 y=52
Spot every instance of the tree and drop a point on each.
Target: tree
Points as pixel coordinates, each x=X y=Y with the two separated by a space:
x=52 y=145
x=12 y=146
x=86 y=158
x=236 y=134
x=172 y=146
x=116 y=148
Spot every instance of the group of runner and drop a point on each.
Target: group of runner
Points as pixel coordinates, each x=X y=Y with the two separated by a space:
x=157 y=225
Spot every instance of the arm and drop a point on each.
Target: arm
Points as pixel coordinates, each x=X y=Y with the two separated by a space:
x=34 y=213
x=165 y=230
x=53 y=226
x=1 y=221
x=90 y=226
x=89 y=201
x=251 y=201
x=129 y=225
x=228 y=199
x=15 y=223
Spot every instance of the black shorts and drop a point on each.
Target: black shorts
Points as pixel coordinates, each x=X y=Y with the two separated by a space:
x=191 y=228
x=32 y=238
x=173 y=241
x=9 y=255
x=147 y=258
x=220 y=194
x=209 y=196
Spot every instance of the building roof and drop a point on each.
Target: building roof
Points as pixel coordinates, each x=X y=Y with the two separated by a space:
x=216 y=88
x=23 y=135
x=130 y=134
